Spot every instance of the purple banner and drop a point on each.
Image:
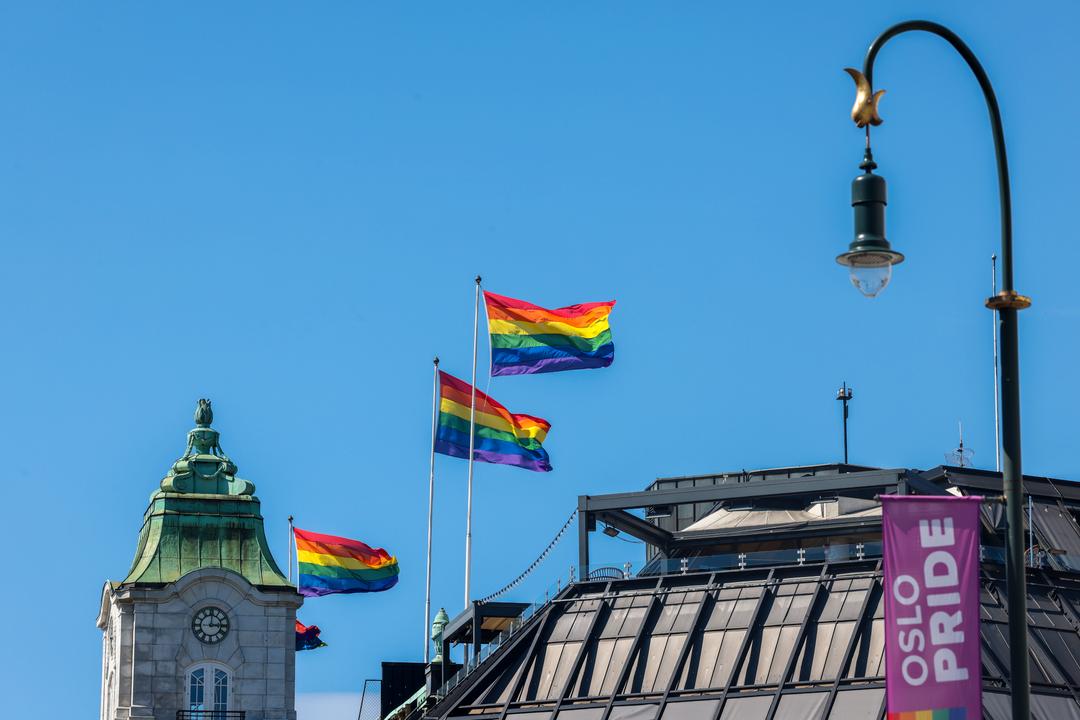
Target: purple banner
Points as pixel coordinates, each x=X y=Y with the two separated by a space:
x=932 y=661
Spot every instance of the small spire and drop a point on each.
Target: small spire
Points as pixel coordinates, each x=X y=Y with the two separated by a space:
x=437 y=626
x=204 y=414
x=204 y=439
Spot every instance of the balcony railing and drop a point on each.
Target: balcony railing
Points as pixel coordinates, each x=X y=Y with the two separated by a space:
x=210 y=715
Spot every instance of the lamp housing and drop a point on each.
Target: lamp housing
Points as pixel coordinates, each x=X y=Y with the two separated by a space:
x=870 y=257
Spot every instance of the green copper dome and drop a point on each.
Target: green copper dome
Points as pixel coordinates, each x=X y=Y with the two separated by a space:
x=203 y=516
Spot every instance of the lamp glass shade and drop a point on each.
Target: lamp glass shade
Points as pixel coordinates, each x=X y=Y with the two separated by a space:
x=870 y=279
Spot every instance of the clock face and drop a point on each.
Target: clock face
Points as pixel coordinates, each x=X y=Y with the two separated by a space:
x=210 y=625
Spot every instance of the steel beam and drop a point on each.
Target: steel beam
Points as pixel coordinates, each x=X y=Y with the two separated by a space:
x=641 y=529
x=823 y=485
x=583 y=521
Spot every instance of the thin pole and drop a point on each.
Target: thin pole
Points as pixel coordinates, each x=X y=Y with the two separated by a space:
x=472 y=444
x=845 y=427
x=1012 y=474
x=844 y=394
x=997 y=365
x=1012 y=477
x=960 y=452
x=291 y=541
x=430 y=509
x=1031 y=533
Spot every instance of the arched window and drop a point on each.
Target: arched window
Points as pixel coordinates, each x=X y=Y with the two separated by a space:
x=208 y=690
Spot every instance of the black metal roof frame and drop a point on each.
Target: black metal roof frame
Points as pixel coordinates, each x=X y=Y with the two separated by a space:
x=612 y=509
x=822 y=485
x=1054 y=625
x=990 y=481
x=467 y=627
x=767 y=473
x=523 y=678
x=812 y=482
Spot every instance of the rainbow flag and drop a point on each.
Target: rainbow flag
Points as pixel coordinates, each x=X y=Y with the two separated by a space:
x=307 y=637
x=957 y=713
x=501 y=437
x=330 y=564
x=527 y=338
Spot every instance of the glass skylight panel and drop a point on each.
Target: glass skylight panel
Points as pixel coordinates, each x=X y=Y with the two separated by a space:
x=634 y=712
x=746 y=708
x=861 y=704
x=690 y=710
x=801 y=706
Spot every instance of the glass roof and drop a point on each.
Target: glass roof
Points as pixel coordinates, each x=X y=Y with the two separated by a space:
x=758 y=644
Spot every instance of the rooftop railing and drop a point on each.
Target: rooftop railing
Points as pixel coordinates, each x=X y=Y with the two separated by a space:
x=763 y=558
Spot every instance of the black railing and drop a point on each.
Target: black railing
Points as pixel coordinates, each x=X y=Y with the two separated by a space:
x=210 y=714
x=607 y=573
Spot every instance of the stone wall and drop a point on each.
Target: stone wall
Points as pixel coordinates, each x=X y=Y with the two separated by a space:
x=149 y=647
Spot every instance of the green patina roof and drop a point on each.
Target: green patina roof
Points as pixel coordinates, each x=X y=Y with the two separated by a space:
x=204 y=516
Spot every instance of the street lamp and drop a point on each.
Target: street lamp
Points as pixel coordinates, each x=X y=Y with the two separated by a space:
x=870 y=258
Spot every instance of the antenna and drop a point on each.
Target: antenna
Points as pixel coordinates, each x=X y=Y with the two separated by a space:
x=844 y=395
x=961 y=456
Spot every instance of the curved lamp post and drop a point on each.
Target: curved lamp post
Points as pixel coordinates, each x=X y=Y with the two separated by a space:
x=870 y=259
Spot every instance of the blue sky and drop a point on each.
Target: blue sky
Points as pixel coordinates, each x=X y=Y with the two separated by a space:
x=281 y=206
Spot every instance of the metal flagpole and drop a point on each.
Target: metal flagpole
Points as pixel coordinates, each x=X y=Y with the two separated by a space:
x=472 y=444
x=997 y=371
x=291 y=536
x=430 y=511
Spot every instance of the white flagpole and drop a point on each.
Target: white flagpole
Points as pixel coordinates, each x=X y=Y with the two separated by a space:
x=290 y=547
x=430 y=511
x=997 y=395
x=472 y=444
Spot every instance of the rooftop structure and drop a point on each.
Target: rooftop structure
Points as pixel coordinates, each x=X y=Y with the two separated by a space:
x=761 y=599
x=203 y=625
x=203 y=515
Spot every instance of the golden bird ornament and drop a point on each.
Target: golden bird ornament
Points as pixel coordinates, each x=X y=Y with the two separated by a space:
x=865 y=110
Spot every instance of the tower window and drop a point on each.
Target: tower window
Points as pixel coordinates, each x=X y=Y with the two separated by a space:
x=208 y=689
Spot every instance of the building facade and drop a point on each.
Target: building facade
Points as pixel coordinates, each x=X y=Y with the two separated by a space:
x=761 y=599
x=203 y=625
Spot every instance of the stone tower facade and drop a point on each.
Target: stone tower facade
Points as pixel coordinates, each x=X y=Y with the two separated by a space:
x=203 y=626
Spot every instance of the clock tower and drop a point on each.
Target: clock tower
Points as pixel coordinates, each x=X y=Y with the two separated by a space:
x=203 y=626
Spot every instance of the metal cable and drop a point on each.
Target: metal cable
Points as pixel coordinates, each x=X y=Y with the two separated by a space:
x=535 y=563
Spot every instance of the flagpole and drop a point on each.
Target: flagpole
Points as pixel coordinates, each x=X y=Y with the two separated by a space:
x=472 y=444
x=430 y=510
x=290 y=547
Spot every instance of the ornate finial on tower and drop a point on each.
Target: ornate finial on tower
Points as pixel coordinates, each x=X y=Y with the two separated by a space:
x=437 y=626
x=204 y=467
x=204 y=414
x=204 y=439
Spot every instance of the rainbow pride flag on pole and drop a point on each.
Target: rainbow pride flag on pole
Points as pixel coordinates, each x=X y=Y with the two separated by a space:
x=502 y=437
x=527 y=338
x=307 y=637
x=330 y=564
